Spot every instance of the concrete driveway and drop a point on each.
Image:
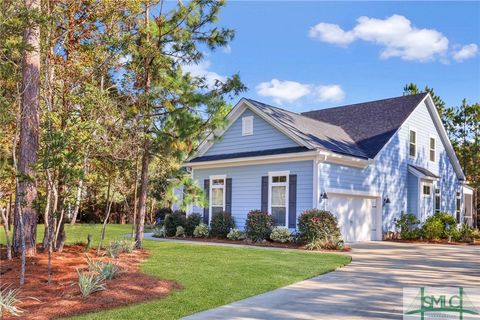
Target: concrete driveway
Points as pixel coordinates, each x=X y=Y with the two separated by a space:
x=368 y=288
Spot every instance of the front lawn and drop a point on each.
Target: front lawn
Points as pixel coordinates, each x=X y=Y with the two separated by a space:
x=211 y=276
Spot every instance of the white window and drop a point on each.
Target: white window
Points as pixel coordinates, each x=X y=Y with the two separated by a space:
x=427 y=189
x=413 y=143
x=247 y=126
x=433 y=152
x=458 y=206
x=217 y=194
x=438 y=200
x=278 y=197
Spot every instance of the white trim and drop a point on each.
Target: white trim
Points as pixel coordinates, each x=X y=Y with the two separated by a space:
x=435 y=194
x=246 y=161
x=285 y=184
x=443 y=136
x=427 y=184
x=430 y=137
x=211 y=187
x=468 y=190
x=322 y=156
x=410 y=129
x=357 y=193
x=316 y=182
x=247 y=126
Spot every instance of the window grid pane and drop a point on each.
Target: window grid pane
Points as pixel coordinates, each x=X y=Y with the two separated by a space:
x=279 y=216
x=217 y=197
x=279 y=196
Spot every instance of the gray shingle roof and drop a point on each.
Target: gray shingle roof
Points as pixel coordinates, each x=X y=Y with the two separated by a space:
x=320 y=134
x=424 y=171
x=370 y=124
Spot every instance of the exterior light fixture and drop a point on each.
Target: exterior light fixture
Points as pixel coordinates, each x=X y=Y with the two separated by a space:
x=386 y=200
x=324 y=196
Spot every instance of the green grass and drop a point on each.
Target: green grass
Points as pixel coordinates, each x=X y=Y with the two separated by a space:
x=211 y=276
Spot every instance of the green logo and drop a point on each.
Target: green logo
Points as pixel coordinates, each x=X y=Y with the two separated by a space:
x=440 y=303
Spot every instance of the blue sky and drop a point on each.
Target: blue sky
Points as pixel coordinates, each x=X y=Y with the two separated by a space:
x=311 y=55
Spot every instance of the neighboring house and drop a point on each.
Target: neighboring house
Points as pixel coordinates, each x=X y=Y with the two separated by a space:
x=366 y=163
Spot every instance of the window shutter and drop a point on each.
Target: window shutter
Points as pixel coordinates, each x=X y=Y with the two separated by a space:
x=264 y=204
x=206 y=210
x=292 y=201
x=228 y=195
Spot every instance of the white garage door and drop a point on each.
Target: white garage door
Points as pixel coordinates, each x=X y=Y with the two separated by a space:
x=359 y=218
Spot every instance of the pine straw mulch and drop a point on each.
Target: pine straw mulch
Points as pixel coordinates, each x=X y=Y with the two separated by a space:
x=62 y=297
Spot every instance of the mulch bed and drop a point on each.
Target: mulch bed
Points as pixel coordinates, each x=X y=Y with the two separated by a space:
x=288 y=245
x=443 y=241
x=62 y=297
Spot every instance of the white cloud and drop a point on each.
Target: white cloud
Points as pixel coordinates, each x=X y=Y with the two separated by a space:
x=329 y=93
x=395 y=34
x=331 y=33
x=289 y=91
x=283 y=90
x=466 y=52
x=202 y=70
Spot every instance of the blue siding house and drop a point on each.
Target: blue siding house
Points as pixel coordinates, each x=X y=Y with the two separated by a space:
x=367 y=163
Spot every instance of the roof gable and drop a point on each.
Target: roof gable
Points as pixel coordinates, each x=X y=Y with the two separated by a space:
x=370 y=124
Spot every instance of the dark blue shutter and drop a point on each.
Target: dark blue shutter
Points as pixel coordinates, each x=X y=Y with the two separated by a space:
x=206 y=189
x=292 y=201
x=264 y=204
x=228 y=195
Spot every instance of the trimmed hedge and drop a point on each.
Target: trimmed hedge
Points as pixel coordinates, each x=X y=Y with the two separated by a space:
x=172 y=221
x=192 y=221
x=221 y=224
x=258 y=225
x=318 y=225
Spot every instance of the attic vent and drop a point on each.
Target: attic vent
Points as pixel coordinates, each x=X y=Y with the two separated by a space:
x=247 y=126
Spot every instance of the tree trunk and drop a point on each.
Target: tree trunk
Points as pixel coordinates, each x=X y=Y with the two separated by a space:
x=28 y=147
x=107 y=216
x=46 y=218
x=78 y=199
x=142 y=196
x=7 y=233
x=9 y=213
x=135 y=195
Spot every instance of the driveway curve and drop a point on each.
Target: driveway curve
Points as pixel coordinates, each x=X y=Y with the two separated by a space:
x=368 y=288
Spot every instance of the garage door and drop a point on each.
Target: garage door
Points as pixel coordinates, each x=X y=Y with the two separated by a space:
x=359 y=218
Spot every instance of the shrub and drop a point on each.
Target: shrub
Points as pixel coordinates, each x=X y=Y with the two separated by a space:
x=114 y=248
x=159 y=232
x=201 y=231
x=180 y=232
x=258 y=225
x=406 y=226
x=221 y=224
x=281 y=234
x=160 y=215
x=172 y=221
x=325 y=244
x=439 y=226
x=8 y=299
x=465 y=233
x=192 y=221
x=89 y=283
x=105 y=270
x=476 y=234
x=433 y=229
x=318 y=225
x=127 y=246
x=236 y=234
